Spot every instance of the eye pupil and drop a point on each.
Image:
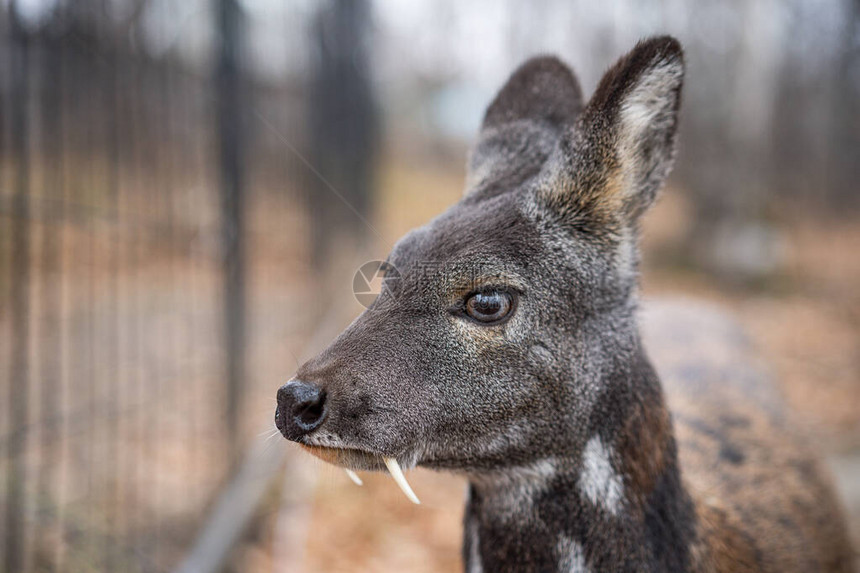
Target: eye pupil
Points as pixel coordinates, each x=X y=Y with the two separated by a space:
x=489 y=306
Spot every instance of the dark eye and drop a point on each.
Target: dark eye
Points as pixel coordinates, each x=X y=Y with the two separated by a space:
x=489 y=307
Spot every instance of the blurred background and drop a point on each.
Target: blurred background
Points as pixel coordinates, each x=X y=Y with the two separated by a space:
x=188 y=186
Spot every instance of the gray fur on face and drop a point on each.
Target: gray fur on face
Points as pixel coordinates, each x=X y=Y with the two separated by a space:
x=413 y=380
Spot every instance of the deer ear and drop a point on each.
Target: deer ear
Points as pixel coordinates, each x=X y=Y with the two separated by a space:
x=523 y=124
x=619 y=153
x=542 y=90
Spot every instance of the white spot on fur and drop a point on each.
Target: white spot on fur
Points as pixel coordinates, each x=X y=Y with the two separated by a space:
x=598 y=480
x=475 y=565
x=512 y=490
x=572 y=557
x=537 y=473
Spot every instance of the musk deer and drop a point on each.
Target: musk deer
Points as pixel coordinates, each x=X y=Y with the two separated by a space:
x=508 y=350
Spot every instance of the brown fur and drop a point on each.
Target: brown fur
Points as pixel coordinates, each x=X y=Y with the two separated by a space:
x=643 y=446
x=763 y=501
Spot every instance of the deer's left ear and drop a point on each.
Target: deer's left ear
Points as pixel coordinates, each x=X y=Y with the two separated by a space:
x=523 y=125
x=613 y=162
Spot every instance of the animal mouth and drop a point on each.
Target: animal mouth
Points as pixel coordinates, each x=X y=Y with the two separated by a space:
x=351 y=459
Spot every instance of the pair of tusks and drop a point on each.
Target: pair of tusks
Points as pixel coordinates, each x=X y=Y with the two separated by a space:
x=396 y=473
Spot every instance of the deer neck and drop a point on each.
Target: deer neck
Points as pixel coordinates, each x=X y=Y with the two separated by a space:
x=616 y=503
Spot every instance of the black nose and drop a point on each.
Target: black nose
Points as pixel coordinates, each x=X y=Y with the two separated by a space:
x=301 y=409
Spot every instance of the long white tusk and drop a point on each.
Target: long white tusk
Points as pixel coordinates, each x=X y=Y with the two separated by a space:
x=354 y=477
x=397 y=474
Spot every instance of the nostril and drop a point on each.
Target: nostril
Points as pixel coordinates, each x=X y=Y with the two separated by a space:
x=308 y=411
x=301 y=408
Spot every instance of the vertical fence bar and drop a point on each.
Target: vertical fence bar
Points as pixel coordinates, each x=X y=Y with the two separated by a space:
x=113 y=325
x=18 y=406
x=231 y=170
x=51 y=354
x=137 y=167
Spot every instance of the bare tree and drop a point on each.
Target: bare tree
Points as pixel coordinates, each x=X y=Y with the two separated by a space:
x=343 y=125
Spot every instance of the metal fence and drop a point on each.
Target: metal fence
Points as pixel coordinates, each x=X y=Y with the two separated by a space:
x=151 y=288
